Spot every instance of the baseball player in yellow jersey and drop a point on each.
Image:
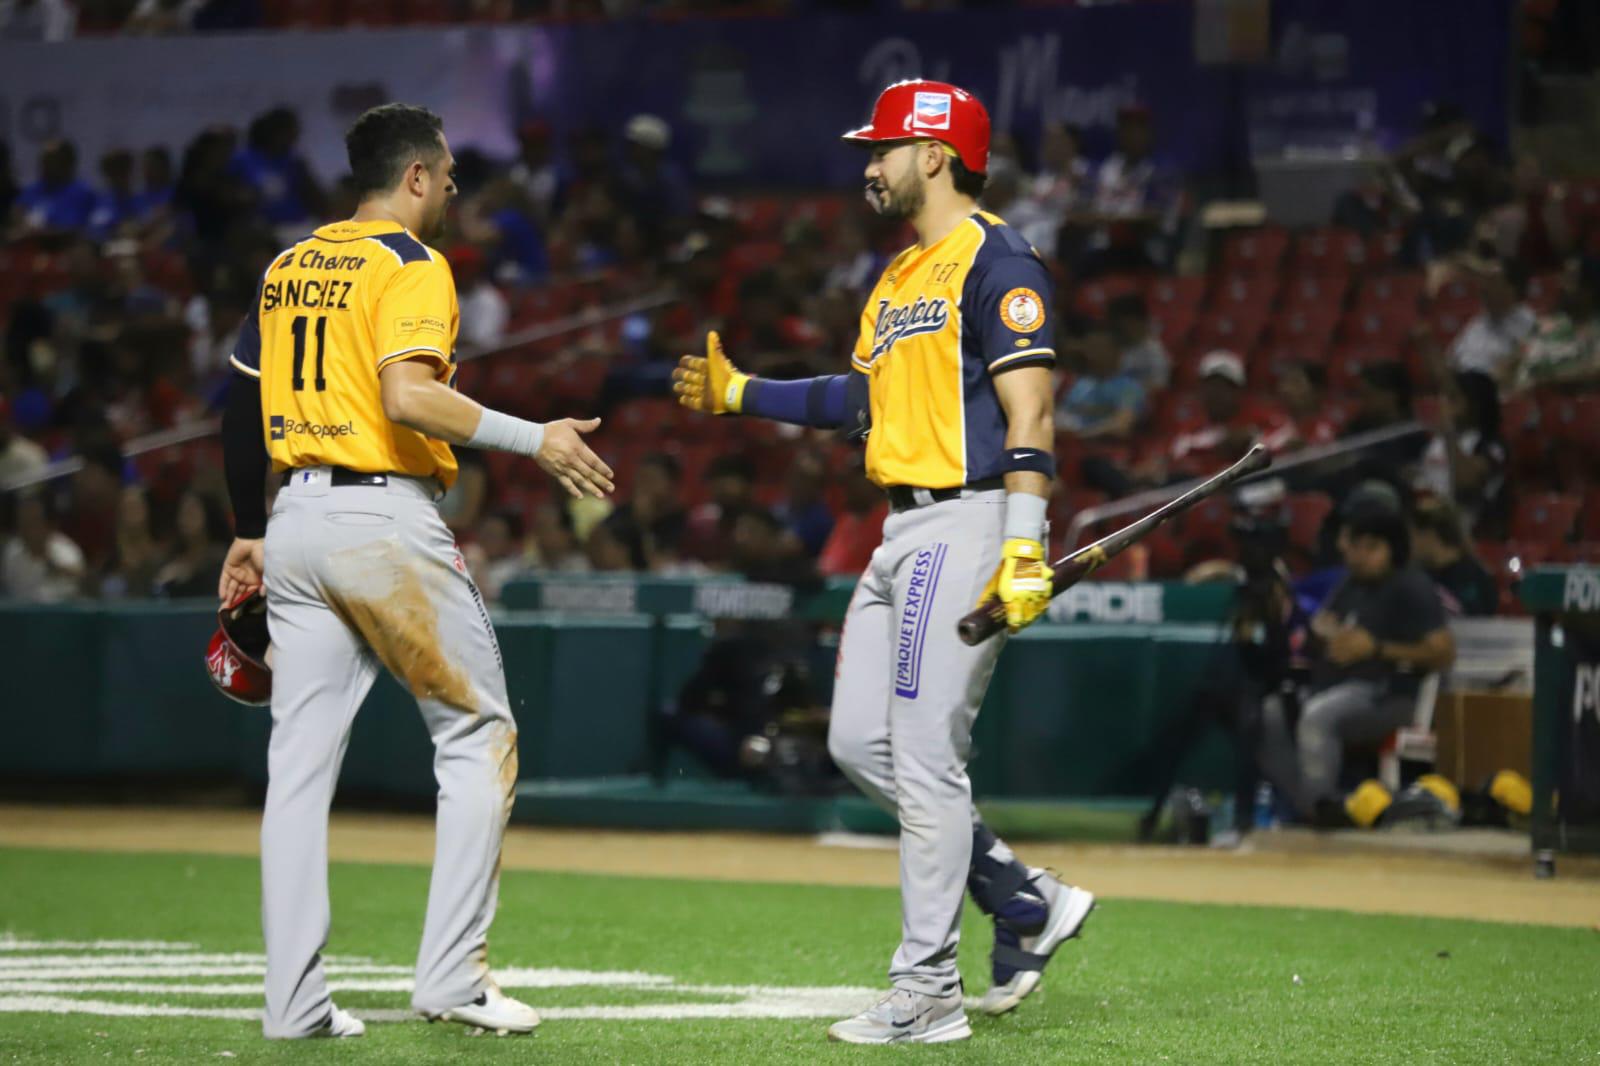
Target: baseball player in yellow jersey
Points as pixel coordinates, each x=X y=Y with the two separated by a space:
x=346 y=369
x=950 y=383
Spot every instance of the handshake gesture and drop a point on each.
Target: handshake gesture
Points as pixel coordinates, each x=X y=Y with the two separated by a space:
x=709 y=383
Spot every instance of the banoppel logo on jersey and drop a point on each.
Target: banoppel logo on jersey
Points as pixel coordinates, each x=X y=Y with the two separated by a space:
x=897 y=323
x=931 y=111
x=282 y=427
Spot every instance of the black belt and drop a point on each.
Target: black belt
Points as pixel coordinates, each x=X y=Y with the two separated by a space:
x=342 y=478
x=904 y=497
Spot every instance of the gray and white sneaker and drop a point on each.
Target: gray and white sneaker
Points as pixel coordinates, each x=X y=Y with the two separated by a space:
x=905 y=1017
x=341 y=1024
x=492 y=1012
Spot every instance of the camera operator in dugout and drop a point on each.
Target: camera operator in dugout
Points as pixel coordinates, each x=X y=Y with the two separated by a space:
x=1312 y=666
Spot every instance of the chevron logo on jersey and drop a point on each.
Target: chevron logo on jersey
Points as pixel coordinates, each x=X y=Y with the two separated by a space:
x=931 y=111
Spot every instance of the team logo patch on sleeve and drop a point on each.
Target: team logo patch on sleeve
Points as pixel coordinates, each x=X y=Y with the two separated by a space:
x=1022 y=311
x=419 y=325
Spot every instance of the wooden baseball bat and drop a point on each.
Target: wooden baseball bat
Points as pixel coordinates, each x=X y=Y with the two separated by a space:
x=990 y=618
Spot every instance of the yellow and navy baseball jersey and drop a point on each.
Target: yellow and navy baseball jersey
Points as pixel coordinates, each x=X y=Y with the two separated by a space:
x=331 y=312
x=940 y=323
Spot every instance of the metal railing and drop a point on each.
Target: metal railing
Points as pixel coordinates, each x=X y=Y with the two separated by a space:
x=1147 y=501
x=193 y=431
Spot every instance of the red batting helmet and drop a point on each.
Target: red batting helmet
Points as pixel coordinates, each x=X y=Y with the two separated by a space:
x=930 y=110
x=236 y=658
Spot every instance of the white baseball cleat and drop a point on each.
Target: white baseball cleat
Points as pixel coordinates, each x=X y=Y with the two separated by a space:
x=904 y=1017
x=340 y=1024
x=494 y=1012
x=1019 y=960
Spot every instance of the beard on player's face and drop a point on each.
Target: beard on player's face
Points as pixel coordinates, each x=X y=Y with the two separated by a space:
x=897 y=192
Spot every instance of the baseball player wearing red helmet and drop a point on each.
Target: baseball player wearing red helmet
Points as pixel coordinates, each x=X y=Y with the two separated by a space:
x=950 y=385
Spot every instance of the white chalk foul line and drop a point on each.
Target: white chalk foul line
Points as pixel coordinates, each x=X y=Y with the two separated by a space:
x=9 y=942
x=62 y=983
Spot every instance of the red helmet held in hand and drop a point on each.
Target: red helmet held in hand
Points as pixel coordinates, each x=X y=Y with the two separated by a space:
x=930 y=110
x=236 y=658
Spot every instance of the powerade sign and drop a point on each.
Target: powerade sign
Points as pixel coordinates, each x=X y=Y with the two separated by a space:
x=1110 y=601
x=1582 y=590
x=282 y=427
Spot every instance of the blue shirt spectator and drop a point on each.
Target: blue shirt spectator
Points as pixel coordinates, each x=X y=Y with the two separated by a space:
x=270 y=166
x=117 y=203
x=58 y=201
x=1105 y=401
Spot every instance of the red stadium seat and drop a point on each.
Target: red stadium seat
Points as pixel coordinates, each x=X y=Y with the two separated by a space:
x=1245 y=296
x=1347 y=361
x=1256 y=251
x=1092 y=297
x=1187 y=293
x=1384 y=249
x=1303 y=328
x=1546 y=517
x=1315 y=295
x=1390 y=327
x=1226 y=331
x=1328 y=252
x=1389 y=291
x=1307 y=511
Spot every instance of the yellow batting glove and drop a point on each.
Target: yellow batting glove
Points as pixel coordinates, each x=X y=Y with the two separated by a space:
x=1023 y=582
x=709 y=383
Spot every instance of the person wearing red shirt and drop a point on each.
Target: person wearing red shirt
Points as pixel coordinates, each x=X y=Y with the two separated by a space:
x=1234 y=420
x=1302 y=390
x=858 y=531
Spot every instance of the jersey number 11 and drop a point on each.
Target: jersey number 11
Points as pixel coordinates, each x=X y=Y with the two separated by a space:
x=299 y=328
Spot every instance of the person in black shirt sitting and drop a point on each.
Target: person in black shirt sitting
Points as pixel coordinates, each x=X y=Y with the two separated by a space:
x=1441 y=551
x=1379 y=633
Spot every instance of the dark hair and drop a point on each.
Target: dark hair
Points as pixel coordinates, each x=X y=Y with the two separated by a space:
x=1440 y=518
x=1128 y=305
x=1515 y=275
x=968 y=182
x=1483 y=401
x=1386 y=524
x=666 y=462
x=1390 y=376
x=386 y=140
x=731 y=466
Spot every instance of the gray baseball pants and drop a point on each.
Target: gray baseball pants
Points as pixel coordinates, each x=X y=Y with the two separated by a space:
x=359 y=577
x=906 y=697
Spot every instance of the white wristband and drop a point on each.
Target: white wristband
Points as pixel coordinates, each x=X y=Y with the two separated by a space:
x=1025 y=516
x=507 y=433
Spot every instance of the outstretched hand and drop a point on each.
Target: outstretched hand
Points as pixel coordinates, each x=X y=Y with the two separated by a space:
x=710 y=382
x=565 y=457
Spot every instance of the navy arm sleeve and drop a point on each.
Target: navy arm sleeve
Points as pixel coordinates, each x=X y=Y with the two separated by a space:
x=244 y=452
x=828 y=402
x=1008 y=310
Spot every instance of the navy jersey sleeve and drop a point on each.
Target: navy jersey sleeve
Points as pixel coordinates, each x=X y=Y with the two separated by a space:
x=246 y=357
x=1008 y=311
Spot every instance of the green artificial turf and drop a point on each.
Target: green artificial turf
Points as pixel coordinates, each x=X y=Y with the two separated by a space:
x=1149 y=983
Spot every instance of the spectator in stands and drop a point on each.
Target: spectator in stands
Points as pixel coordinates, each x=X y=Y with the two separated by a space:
x=1564 y=350
x=117 y=202
x=1381 y=631
x=1062 y=186
x=131 y=573
x=91 y=520
x=1439 y=543
x=58 y=202
x=656 y=510
x=1465 y=462
x=160 y=18
x=1383 y=398
x=856 y=266
x=1492 y=340
x=1004 y=195
x=1105 y=401
x=1302 y=389
x=615 y=544
x=497 y=554
x=1132 y=220
x=209 y=198
x=156 y=182
x=19 y=456
x=37 y=20
x=535 y=172
x=1141 y=353
x=40 y=564
x=1234 y=420
x=731 y=480
x=484 y=311
x=272 y=166
x=555 y=540
x=762 y=550
x=654 y=192
x=201 y=534
x=804 y=513
x=859 y=530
